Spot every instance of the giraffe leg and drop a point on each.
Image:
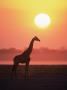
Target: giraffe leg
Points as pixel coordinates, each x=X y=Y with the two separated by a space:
x=27 y=70
x=14 y=68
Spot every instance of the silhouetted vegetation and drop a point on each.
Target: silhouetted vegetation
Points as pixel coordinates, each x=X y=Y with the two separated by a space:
x=37 y=54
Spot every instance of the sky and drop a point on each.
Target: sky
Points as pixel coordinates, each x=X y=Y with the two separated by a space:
x=17 y=26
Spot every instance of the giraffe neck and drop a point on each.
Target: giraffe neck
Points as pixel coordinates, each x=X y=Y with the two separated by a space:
x=30 y=46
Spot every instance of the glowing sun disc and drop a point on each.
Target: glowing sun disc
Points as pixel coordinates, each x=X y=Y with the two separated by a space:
x=42 y=20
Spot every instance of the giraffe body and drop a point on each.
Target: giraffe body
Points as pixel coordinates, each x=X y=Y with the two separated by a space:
x=25 y=56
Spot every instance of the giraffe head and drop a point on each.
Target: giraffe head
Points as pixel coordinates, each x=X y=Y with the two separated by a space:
x=36 y=38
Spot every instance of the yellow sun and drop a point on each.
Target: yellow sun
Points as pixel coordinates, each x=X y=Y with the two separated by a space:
x=42 y=20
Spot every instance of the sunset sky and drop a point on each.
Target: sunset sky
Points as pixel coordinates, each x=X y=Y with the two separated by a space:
x=17 y=25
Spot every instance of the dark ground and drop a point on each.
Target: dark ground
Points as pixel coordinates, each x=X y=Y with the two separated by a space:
x=43 y=77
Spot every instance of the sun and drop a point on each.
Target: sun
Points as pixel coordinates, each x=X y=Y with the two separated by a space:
x=42 y=20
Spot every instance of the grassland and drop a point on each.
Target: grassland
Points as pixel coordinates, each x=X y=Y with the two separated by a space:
x=49 y=77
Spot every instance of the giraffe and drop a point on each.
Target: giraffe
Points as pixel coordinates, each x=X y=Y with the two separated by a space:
x=24 y=57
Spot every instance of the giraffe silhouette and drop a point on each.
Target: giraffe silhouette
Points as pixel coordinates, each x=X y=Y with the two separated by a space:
x=24 y=57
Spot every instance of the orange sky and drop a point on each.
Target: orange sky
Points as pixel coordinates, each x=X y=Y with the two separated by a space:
x=17 y=23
